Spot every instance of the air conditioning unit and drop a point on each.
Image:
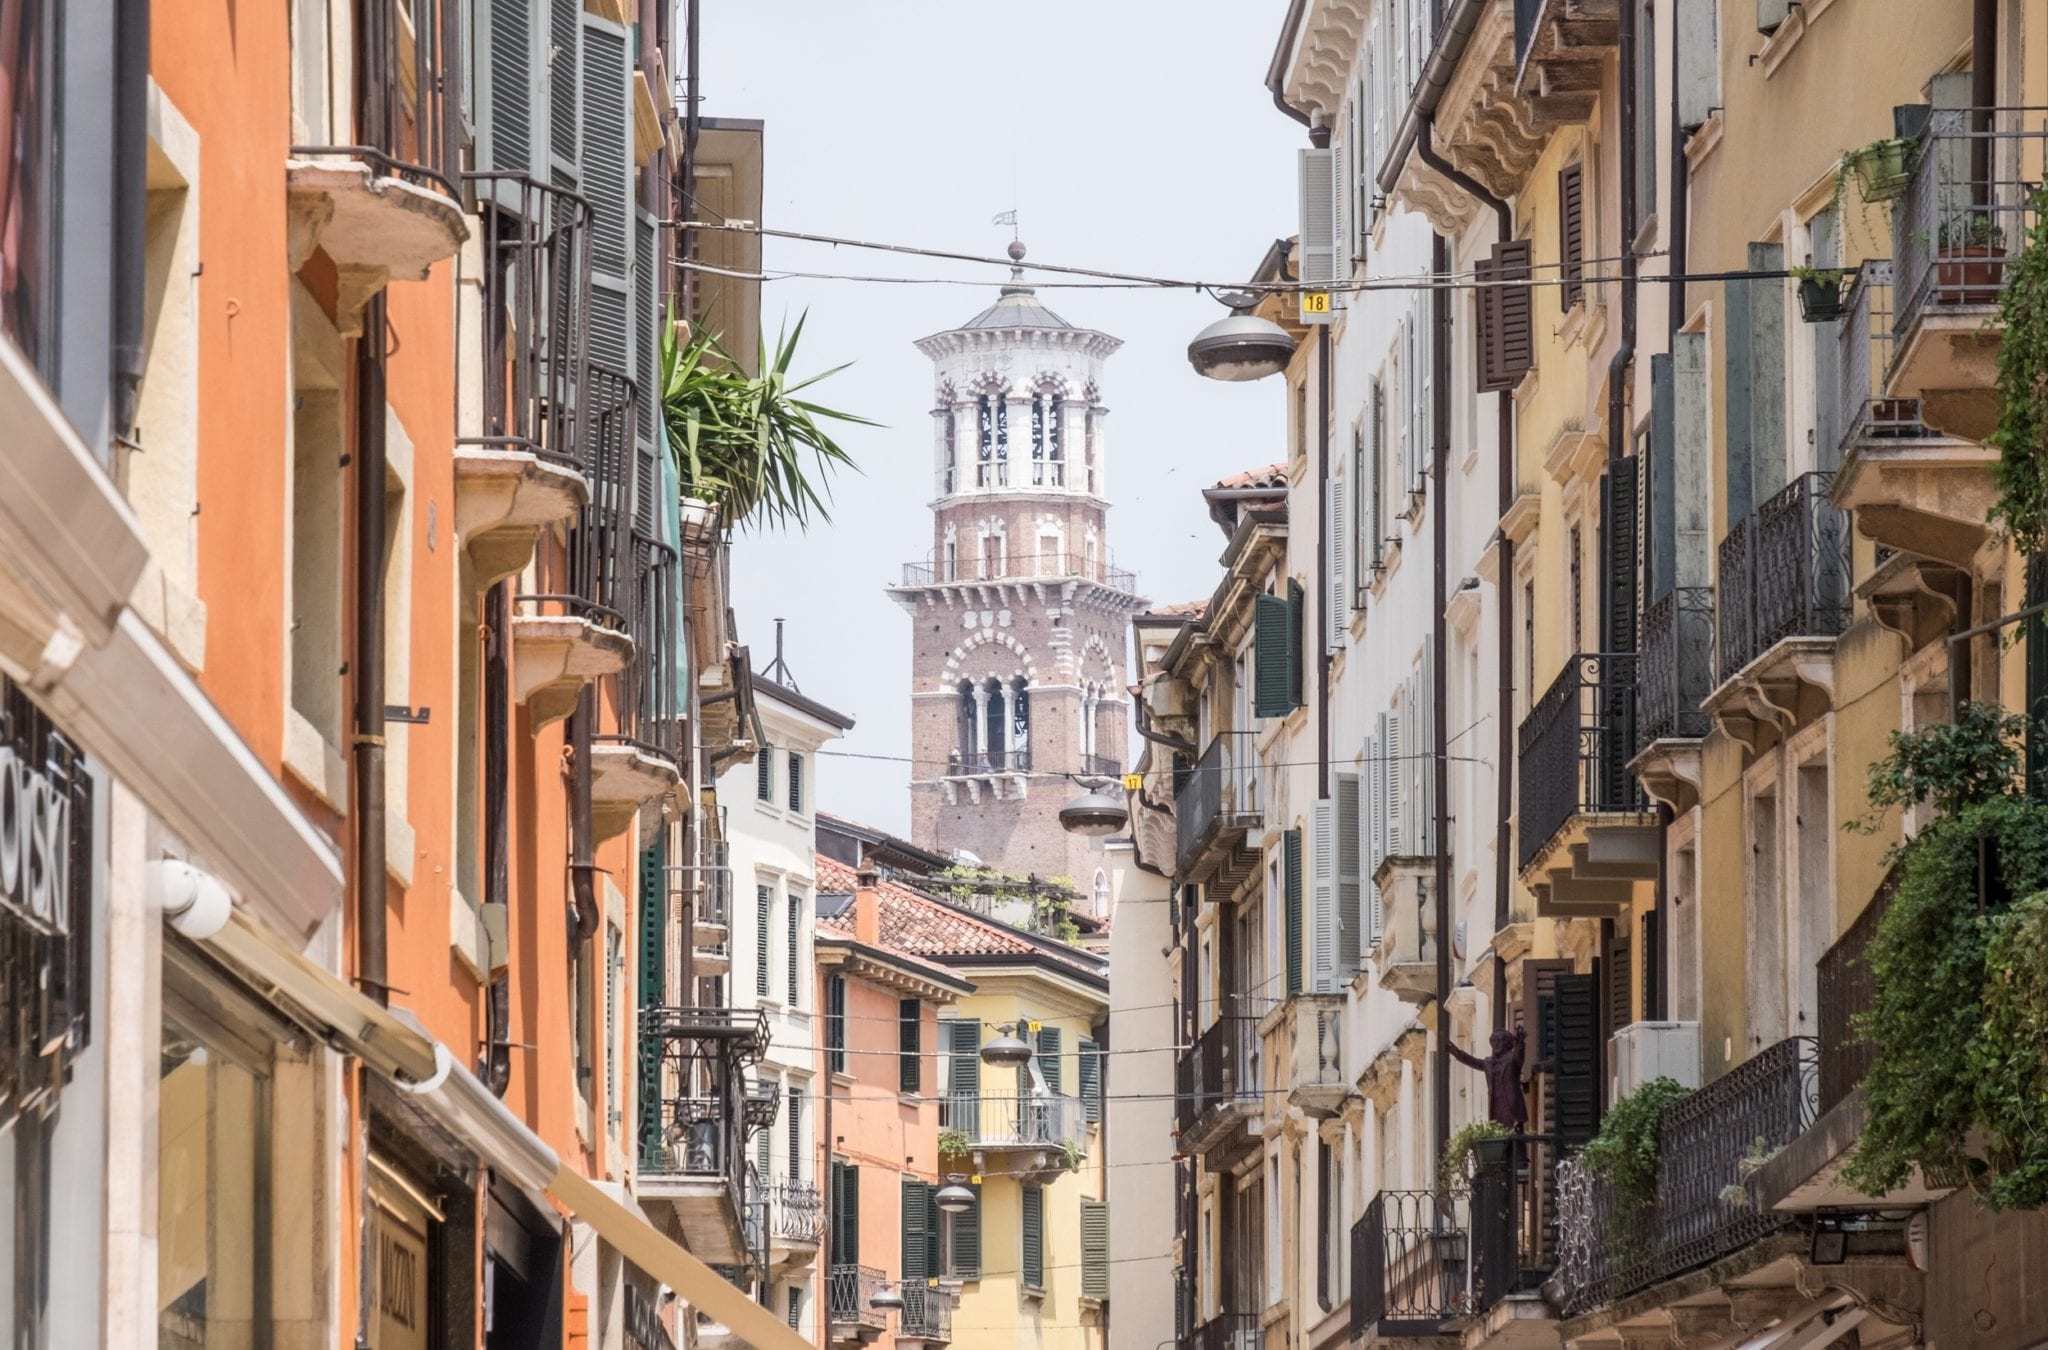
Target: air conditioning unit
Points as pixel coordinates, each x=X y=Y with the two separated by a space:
x=1641 y=1051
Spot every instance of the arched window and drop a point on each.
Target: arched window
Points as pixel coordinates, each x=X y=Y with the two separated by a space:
x=952 y=451
x=1020 y=725
x=1055 y=465
x=985 y=423
x=997 y=742
x=1099 y=903
x=966 y=725
x=1046 y=468
x=1088 y=445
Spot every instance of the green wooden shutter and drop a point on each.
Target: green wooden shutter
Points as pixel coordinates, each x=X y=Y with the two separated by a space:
x=835 y=1024
x=1032 y=1267
x=967 y=1239
x=1290 y=856
x=1272 y=657
x=1094 y=1249
x=1297 y=618
x=1574 y=1014
x=933 y=1231
x=1050 y=1058
x=845 y=1197
x=1620 y=985
x=963 y=1078
x=910 y=1045
x=916 y=1198
x=1091 y=1079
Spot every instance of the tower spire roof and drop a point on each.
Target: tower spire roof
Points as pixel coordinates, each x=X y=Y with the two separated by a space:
x=1017 y=304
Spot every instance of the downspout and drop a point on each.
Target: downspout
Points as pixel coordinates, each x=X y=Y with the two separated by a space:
x=1624 y=354
x=582 y=866
x=1439 y=750
x=367 y=663
x=1319 y=137
x=1504 y=608
x=497 y=1066
x=131 y=208
x=1276 y=70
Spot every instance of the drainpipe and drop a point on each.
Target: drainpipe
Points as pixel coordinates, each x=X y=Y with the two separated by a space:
x=131 y=207
x=497 y=1066
x=1439 y=750
x=582 y=867
x=1276 y=70
x=1319 y=137
x=1504 y=633
x=1624 y=354
x=368 y=662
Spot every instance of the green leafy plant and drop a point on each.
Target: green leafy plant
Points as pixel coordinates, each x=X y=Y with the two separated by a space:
x=1624 y=1152
x=1071 y=1152
x=1949 y=765
x=747 y=442
x=1454 y=1168
x=952 y=1143
x=2009 y=1057
x=2021 y=436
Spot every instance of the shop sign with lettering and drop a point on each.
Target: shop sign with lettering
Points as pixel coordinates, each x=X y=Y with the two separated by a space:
x=46 y=877
x=401 y=1256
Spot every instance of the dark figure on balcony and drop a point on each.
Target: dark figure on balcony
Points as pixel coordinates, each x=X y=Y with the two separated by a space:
x=1505 y=1104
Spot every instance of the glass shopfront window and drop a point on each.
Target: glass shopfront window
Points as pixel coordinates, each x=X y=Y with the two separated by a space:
x=27 y=171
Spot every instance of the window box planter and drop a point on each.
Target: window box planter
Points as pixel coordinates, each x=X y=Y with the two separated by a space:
x=1820 y=298
x=1882 y=169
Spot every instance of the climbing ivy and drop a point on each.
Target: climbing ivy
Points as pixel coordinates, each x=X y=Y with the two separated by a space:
x=2021 y=437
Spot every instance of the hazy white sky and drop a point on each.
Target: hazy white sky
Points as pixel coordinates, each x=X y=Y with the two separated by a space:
x=1135 y=135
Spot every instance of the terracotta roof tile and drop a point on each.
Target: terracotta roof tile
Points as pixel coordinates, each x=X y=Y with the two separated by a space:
x=1266 y=476
x=1182 y=609
x=921 y=925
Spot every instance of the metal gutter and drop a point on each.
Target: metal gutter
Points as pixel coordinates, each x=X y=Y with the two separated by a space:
x=1455 y=32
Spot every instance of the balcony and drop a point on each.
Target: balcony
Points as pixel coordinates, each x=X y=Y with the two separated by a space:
x=927 y=1314
x=1702 y=1212
x=573 y=629
x=795 y=1222
x=1019 y=1125
x=1513 y=1217
x=1783 y=598
x=1315 y=1078
x=711 y=925
x=525 y=472
x=1561 y=49
x=1410 y=1264
x=636 y=760
x=1406 y=955
x=1912 y=487
x=850 y=1292
x=1215 y=808
x=1227 y=1331
x=983 y=763
x=1102 y=766
x=1220 y=1088
x=1675 y=668
x=696 y=1169
x=1966 y=214
x=1586 y=833
x=389 y=207
x=1017 y=570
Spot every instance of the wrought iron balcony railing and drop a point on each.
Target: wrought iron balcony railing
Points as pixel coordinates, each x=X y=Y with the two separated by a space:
x=797 y=1215
x=850 y=1293
x=1223 y=792
x=714 y=897
x=647 y=696
x=1609 y=1250
x=592 y=577
x=1513 y=1216
x=1864 y=412
x=1411 y=1263
x=1676 y=665
x=1102 y=766
x=968 y=763
x=1784 y=573
x=1228 y=1331
x=1016 y=1120
x=1223 y=1066
x=1970 y=203
x=1021 y=567
x=410 y=128
x=927 y=1313
x=1846 y=989
x=1575 y=746
x=696 y=1139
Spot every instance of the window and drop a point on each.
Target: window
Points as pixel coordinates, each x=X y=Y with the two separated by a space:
x=1326 y=1277
x=796 y=781
x=1575 y=590
x=910 y=1045
x=1047 y=409
x=835 y=1023
x=796 y=1307
x=1528 y=646
x=845 y=1216
x=952 y=434
x=764 y=916
x=1088 y=444
x=28 y=267
x=1050 y=1060
x=764 y=774
x=1032 y=1266
x=764 y=1140
x=795 y=967
x=1090 y=1062
x=316 y=541
x=794 y=1124
x=1094 y=1249
x=1099 y=899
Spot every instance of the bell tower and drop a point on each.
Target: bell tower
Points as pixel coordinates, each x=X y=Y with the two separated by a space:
x=1018 y=616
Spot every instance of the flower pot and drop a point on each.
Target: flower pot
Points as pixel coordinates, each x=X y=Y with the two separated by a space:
x=1969 y=274
x=1820 y=299
x=1491 y=1152
x=1881 y=170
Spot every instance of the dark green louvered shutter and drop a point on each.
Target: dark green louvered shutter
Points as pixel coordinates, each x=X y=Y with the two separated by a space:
x=1091 y=1079
x=845 y=1213
x=1051 y=1060
x=966 y=1242
x=1094 y=1249
x=653 y=986
x=1272 y=657
x=1032 y=1266
x=910 y=1045
x=1620 y=985
x=916 y=1234
x=1297 y=622
x=1653 y=966
x=963 y=1077
x=1620 y=497
x=1290 y=870
x=1574 y=1013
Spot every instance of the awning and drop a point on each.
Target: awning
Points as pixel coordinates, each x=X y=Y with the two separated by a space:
x=392 y=1043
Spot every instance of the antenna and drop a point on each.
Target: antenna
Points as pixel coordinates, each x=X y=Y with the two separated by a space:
x=778 y=669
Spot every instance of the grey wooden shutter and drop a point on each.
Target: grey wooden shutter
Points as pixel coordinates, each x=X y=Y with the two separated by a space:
x=795 y=969
x=1349 y=882
x=1094 y=1249
x=1506 y=327
x=1323 y=894
x=607 y=160
x=1050 y=1057
x=916 y=1235
x=1360 y=541
x=1272 y=658
x=1574 y=1012
x=1571 y=235
x=1424 y=751
x=1340 y=226
x=1337 y=621
x=647 y=505
x=1698 y=62
x=1090 y=1063
x=966 y=1244
x=565 y=53
x=764 y=906
x=793 y=1121
x=1318 y=218
x=1374 y=827
x=1753 y=355
x=1378 y=432
x=505 y=104
x=1290 y=872
x=1660 y=502
x=1033 y=1264
x=910 y=1045
x=1394 y=781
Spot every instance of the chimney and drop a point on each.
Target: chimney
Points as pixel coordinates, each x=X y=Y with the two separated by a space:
x=867 y=905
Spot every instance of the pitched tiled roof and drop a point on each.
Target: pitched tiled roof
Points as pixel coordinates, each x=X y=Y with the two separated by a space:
x=1182 y=609
x=1267 y=476
x=923 y=925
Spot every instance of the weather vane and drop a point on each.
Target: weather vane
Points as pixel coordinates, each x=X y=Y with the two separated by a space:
x=1008 y=218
